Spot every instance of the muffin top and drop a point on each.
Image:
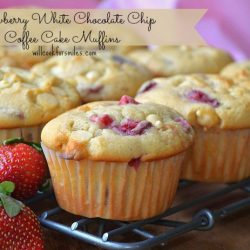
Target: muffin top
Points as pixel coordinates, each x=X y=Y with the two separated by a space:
x=237 y=71
x=204 y=100
x=27 y=99
x=172 y=60
x=106 y=76
x=17 y=57
x=5 y=59
x=118 y=131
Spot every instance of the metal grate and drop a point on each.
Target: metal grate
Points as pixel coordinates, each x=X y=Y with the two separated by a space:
x=107 y=233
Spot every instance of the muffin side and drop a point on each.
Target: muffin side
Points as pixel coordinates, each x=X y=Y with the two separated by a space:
x=117 y=172
x=217 y=108
x=28 y=101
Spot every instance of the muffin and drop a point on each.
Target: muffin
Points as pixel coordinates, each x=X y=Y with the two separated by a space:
x=116 y=160
x=17 y=57
x=105 y=76
x=219 y=111
x=28 y=101
x=173 y=60
x=239 y=72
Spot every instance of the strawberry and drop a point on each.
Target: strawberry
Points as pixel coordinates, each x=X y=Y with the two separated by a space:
x=199 y=96
x=19 y=226
x=24 y=165
x=125 y=99
x=102 y=120
x=131 y=127
x=147 y=87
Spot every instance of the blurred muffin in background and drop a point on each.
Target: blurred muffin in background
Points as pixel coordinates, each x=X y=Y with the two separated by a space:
x=239 y=72
x=28 y=101
x=172 y=60
x=105 y=76
x=17 y=57
x=218 y=109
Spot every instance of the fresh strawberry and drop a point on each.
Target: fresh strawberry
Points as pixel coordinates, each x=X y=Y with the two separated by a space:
x=19 y=226
x=25 y=166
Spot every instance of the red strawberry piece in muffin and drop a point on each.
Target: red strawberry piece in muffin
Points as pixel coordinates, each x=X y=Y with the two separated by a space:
x=184 y=123
x=131 y=127
x=127 y=100
x=148 y=86
x=200 y=96
x=103 y=121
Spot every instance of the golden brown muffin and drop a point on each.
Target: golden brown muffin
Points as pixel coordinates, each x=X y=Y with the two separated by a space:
x=237 y=70
x=219 y=111
x=173 y=60
x=116 y=160
x=16 y=57
x=28 y=101
x=106 y=76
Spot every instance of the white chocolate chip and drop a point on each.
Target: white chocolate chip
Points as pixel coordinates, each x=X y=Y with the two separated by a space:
x=155 y=120
x=207 y=117
x=9 y=77
x=132 y=113
x=152 y=118
x=85 y=126
x=80 y=136
x=91 y=75
x=57 y=71
x=158 y=124
x=4 y=84
x=93 y=128
x=185 y=48
x=47 y=100
x=58 y=91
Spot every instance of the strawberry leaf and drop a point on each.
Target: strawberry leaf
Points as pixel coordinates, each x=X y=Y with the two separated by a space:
x=35 y=145
x=7 y=187
x=11 y=206
x=13 y=140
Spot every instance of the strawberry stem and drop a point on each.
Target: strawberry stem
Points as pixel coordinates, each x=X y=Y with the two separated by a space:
x=7 y=187
x=35 y=145
x=13 y=140
x=46 y=186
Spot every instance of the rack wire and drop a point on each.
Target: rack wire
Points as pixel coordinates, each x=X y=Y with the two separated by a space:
x=107 y=233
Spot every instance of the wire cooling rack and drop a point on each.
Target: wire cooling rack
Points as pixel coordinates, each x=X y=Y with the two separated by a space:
x=110 y=234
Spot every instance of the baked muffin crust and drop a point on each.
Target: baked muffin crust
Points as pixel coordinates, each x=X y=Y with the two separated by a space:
x=209 y=101
x=118 y=132
x=237 y=71
x=16 y=57
x=106 y=76
x=27 y=99
x=172 y=60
